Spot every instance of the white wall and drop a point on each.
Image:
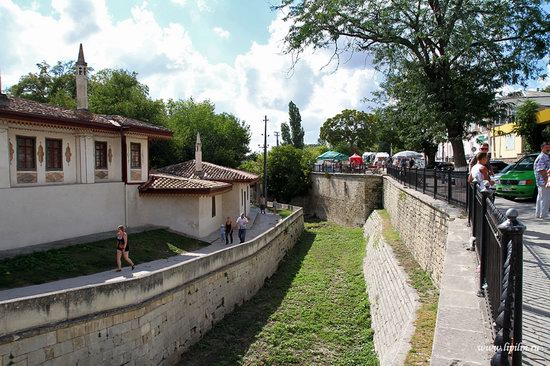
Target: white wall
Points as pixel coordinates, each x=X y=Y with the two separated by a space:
x=4 y=158
x=35 y=215
x=144 y=158
x=209 y=224
x=179 y=213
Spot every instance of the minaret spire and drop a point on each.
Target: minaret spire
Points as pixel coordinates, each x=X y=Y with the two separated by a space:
x=198 y=156
x=81 y=81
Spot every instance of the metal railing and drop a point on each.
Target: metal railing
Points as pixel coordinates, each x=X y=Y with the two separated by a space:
x=340 y=168
x=445 y=185
x=498 y=242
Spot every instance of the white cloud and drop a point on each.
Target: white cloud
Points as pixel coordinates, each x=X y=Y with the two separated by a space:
x=179 y=2
x=259 y=82
x=220 y=32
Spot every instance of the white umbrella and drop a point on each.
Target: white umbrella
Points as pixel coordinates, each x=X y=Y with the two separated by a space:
x=407 y=154
x=382 y=155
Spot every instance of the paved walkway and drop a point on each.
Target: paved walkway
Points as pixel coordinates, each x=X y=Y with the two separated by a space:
x=536 y=282
x=258 y=224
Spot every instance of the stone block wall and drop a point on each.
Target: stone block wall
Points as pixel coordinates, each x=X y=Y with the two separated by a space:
x=422 y=223
x=393 y=302
x=346 y=199
x=150 y=320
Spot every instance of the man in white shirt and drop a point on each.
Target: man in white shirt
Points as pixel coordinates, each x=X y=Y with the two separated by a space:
x=241 y=223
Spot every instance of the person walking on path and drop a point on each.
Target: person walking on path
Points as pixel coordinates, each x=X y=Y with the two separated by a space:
x=262 y=204
x=241 y=223
x=228 y=230
x=123 y=249
x=541 y=167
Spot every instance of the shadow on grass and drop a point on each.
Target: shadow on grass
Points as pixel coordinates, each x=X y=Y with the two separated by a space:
x=228 y=341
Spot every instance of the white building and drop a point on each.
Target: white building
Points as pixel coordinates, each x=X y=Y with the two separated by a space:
x=69 y=173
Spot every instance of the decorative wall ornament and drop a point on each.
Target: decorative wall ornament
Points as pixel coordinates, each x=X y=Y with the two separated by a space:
x=40 y=154
x=68 y=153
x=110 y=154
x=11 y=152
x=135 y=175
x=26 y=178
x=54 y=177
x=101 y=174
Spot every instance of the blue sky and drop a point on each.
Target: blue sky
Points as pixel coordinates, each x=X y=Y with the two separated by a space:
x=227 y=51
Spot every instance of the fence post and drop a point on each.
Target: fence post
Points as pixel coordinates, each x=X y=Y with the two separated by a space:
x=481 y=242
x=424 y=181
x=512 y=232
x=435 y=183
x=449 y=187
x=416 y=179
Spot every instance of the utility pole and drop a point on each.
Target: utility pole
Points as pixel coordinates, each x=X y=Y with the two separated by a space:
x=277 y=133
x=265 y=157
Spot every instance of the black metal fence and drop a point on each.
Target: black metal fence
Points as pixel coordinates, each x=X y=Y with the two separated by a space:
x=445 y=185
x=498 y=242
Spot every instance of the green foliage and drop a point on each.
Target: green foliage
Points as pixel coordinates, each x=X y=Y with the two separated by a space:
x=285 y=133
x=352 y=130
x=254 y=163
x=525 y=125
x=119 y=92
x=296 y=130
x=288 y=172
x=224 y=137
x=54 y=85
x=457 y=53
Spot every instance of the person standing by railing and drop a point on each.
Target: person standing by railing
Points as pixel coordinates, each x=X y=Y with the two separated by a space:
x=480 y=172
x=541 y=168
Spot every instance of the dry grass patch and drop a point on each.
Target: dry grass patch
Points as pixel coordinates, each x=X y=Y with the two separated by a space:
x=422 y=339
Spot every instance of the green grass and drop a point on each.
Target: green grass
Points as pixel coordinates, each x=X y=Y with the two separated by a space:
x=313 y=311
x=422 y=339
x=83 y=259
x=283 y=213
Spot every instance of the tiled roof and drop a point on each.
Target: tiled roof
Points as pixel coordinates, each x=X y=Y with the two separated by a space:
x=210 y=171
x=31 y=110
x=162 y=183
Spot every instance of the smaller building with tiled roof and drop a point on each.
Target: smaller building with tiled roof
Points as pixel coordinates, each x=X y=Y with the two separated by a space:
x=162 y=183
x=209 y=172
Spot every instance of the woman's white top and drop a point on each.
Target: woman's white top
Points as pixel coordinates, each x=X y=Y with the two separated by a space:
x=476 y=173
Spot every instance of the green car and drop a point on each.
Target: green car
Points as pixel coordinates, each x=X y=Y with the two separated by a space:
x=519 y=181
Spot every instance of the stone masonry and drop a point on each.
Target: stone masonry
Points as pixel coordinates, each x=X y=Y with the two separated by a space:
x=346 y=199
x=422 y=224
x=159 y=318
x=393 y=301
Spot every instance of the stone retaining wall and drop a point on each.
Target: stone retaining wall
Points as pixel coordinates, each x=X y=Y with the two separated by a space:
x=346 y=199
x=422 y=223
x=149 y=320
x=393 y=302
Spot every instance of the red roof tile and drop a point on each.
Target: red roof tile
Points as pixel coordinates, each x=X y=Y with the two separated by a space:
x=161 y=183
x=31 y=110
x=211 y=172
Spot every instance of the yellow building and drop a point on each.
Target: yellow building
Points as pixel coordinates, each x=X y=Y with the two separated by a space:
x=506 y=145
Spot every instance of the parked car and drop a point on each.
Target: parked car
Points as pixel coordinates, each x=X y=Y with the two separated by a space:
x=440 y=165
x=519 y=181
x=498 y=165
x=496 y=177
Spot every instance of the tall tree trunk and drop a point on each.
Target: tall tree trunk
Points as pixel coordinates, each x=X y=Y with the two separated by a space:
x=458 y=150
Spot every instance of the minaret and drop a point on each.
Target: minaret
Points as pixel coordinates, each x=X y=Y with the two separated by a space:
x=198 y=156
x=81 y=81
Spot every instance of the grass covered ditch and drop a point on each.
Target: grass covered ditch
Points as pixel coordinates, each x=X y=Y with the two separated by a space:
x=313 y=311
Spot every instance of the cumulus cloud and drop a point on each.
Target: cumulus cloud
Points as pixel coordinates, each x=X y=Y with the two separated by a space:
x=259 y=82
x=220 y=32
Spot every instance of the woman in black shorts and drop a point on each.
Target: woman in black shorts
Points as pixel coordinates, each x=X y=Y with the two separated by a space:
x=122 y=249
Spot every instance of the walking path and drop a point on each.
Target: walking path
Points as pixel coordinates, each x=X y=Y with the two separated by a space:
x=536 y=282
x=259 y=223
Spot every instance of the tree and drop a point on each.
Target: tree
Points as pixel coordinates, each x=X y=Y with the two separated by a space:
x=459 y=52
x=54 y=85
x=354 y=129
x=525 y=125
x=295 y=121
x=288 y=172
x=224 y=137
x=547 y=89
x=285 y=133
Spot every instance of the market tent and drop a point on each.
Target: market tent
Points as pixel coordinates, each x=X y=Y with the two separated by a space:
x=355 y=159
x=382 y=155
x=407 y=154
x=332 y=155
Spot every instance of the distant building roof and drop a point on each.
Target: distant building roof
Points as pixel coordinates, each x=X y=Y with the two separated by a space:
x=518 y=97
x=210 y=172
x=161 y=183
x=41 y=113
